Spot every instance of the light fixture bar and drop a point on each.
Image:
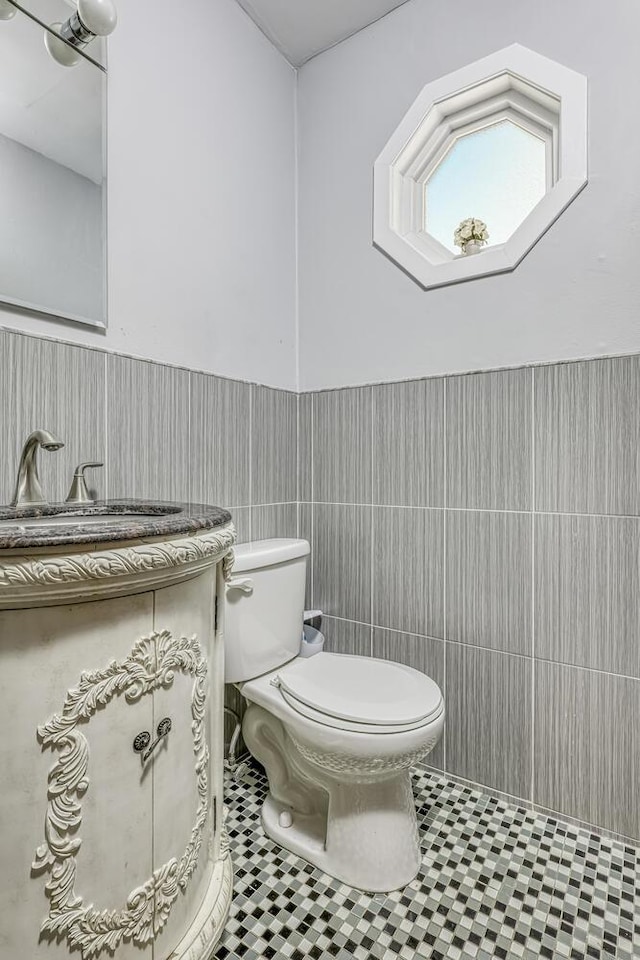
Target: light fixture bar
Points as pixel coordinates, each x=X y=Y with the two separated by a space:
x=50 y=31
x=90 y=19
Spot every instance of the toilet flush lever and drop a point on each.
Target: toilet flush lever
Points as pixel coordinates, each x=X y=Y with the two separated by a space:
x=243 y=584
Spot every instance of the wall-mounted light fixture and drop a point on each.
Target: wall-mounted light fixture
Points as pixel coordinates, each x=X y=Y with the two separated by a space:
x=93 y=18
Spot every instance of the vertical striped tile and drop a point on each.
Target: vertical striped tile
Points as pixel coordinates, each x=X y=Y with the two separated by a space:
x=408 y=443
x=305 y=532
x=344 y=636
x=274 y=435
x=422 y=653
x=408 y=565
x=148 y=430
x=220 y=441
x=489 y=561
x=57 y=387
x=342 y=561
x=305 y=446
x=342 y=446
x=488 y=702
x=489 y=440
x=587 y=581
x=587 y=430
x=275 y=520
x=242 y=521
x=587 y=744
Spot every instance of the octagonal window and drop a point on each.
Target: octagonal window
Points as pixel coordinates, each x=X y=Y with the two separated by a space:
x=496 y=174
x=502 y=142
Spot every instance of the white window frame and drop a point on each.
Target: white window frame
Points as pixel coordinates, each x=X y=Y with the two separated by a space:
x=540 y=95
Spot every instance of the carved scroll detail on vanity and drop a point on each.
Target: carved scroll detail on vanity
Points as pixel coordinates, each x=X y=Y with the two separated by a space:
x=151 y=665
x=212 y=916
x=58 y=578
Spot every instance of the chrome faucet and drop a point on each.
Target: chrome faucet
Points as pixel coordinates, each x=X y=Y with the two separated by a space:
x=28 y=492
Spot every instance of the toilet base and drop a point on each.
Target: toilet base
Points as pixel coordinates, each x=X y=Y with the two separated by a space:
x=364 y=833
x=366 y=841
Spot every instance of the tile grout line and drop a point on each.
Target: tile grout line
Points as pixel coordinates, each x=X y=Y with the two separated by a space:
x=298 y=463
x=299 y=470
x=190 y=492
x=371 y=525
x=250 y=530
x=533 y=584
x=444 y=564
x=107 y=477
x=526 y=513
x=276 y=503
x=312 y=533
x=493 y=650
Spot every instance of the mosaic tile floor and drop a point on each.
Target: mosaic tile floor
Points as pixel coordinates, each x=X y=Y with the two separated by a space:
x=497 y=881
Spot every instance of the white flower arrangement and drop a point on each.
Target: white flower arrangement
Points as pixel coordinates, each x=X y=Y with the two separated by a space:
x=471 y=230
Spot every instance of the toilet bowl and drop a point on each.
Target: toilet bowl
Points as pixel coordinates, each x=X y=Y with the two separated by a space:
x=336 y=733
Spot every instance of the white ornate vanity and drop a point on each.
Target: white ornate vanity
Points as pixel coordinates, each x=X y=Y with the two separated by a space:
x=111 y=819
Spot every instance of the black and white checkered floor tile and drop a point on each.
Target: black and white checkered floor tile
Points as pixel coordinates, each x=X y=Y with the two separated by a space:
x=496 y=881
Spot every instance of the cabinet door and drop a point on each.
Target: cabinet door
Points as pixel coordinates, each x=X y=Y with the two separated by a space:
x=183 y=804
x=77 y=793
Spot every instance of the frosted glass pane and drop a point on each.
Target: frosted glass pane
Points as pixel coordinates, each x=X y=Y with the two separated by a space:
x=497 y=174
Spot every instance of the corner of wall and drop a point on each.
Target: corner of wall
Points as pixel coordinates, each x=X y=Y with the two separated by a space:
x=296 y=203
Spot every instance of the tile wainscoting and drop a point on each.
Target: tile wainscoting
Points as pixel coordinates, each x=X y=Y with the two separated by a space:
x=485 y=528
x=162 y=432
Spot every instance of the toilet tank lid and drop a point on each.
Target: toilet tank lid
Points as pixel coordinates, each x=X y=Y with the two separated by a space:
x=267 y=553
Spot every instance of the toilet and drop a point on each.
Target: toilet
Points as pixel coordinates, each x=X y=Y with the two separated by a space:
x=335 y=733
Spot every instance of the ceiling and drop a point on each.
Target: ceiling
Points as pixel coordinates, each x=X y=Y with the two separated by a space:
x=302 y=28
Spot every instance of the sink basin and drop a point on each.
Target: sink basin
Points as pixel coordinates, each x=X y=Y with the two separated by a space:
x=80 y=521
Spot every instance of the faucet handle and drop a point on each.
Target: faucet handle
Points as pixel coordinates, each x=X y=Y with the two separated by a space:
x=79 y=492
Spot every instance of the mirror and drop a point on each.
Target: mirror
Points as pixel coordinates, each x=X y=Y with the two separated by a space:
x=52 y=171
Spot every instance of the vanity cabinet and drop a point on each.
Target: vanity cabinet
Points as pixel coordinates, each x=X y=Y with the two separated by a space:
x=113 y=844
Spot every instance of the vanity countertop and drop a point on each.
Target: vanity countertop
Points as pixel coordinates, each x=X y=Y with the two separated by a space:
x=105 y=521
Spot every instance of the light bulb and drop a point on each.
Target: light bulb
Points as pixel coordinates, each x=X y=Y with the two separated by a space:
x=7 y=10
x=93 y=18
x=98 y=16
x=65 y=55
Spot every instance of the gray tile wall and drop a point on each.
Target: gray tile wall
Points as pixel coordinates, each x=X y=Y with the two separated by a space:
x=161 y=432
x=57 y=387
x=486 y=528
x=483 y=528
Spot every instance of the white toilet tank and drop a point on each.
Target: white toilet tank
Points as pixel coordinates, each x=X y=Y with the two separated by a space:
x=264 y=609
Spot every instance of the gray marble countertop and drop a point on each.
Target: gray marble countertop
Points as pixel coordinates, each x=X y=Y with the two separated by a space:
x=104 y=521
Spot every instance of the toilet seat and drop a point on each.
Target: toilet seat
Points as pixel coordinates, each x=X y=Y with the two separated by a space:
x=361 y=694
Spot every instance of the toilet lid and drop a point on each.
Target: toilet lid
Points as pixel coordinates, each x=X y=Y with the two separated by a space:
x=362 y=689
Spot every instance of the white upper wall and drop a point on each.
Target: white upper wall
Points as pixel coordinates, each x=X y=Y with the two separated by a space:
x=577 y=294
x=201 y=195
